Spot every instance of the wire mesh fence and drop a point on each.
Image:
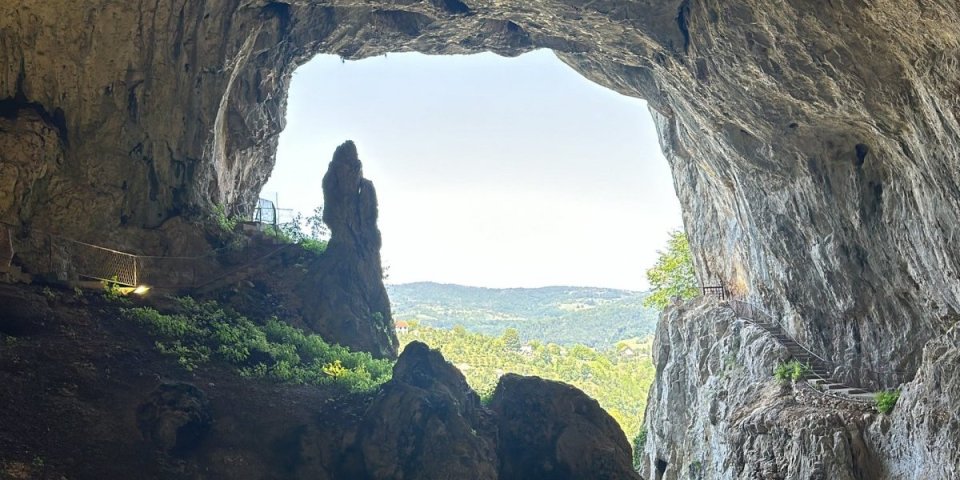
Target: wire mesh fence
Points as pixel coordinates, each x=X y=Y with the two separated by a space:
x=97 y=263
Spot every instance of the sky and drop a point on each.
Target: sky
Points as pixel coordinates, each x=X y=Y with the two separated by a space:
x=490 y=171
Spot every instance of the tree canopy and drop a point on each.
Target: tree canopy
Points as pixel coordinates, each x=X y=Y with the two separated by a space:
x=673 y=274
x=618 y=377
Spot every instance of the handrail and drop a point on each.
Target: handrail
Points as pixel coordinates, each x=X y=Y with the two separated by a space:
x=133 y=278
x=241 y=267
x=745 y=307
x=718 y=291
x=749 y=311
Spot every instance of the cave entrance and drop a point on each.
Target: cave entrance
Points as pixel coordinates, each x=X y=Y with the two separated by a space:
x=498 y=172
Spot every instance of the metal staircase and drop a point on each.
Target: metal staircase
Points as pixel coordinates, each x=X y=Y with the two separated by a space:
x=820 y=374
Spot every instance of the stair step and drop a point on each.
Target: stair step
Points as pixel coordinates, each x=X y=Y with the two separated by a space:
x=818 y=376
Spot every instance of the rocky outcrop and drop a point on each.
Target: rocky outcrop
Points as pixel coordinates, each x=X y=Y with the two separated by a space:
x=550 y=430
x=346 y=296
x=339 y=293
x=175 y=417
x=426 y=423
x=87 y=396
x=715 y=411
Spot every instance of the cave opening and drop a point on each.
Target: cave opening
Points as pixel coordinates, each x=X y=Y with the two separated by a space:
x=520 y=205
x=490 y=171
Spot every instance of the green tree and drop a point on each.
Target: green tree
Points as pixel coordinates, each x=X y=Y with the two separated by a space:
x=673 y=274
x=511 y=339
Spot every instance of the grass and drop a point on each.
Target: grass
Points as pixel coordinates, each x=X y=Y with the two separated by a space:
x=885 y=401
x=792 y=370
x=201 y=331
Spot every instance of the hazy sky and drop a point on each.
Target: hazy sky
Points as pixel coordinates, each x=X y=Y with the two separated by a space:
x=490 y=171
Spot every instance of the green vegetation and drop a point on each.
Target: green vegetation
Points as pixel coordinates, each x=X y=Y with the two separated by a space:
x=886 y=400
x=792 y=370
x=227 y=223
x=49 y=293
x=597 y=317
x=639 y=442
x=673 y=274
x=275 y=350
x=618 y=378
x=113 y=291
x=314 y=240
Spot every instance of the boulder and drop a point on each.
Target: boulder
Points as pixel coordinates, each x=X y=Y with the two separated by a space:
x=553 y=431
x=427 y=424
x=175 y=417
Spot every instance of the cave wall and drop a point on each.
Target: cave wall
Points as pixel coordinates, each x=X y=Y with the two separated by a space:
x=814 y=145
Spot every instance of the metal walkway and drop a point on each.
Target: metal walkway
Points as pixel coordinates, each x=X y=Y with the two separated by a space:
x=820 y=375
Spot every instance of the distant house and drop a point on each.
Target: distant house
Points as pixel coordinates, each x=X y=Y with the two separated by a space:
x=628 y=353
x=526 y=350
x=402 y=327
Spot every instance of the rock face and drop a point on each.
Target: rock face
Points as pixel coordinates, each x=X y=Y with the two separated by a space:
x=919 y=439
x=814 y=146
x=347 y=293
x=175 y=417
x=553 y=431
x=715 y=411
x=427 y=423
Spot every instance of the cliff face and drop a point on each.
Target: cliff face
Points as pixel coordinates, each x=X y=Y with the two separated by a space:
x=814 y=146
x=716 y=411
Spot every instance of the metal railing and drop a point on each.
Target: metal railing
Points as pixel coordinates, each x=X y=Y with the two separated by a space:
x=70 y=260
x=98 y=263
x=862 y=377
x=715 y=291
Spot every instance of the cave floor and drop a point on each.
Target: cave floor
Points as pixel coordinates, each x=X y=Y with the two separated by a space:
x=73 y=373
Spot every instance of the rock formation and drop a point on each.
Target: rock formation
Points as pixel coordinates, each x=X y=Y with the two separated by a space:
x=427 y=423
x=816 y=167
x=87 y=396
x=347 y=295
x=715 y=411
x=550 y=430
x=814 y=145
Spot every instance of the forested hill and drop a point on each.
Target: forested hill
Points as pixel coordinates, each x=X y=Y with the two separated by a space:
x=598 y=317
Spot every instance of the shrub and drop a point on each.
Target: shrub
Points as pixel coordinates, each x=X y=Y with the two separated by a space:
x=886 y=400
x=792 y=370
x=291 y=233
x=227 y=223
x=639 y=442
x=199 y=331
x=113 y=291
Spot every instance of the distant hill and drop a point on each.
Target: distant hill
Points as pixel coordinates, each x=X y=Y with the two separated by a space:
x=598 y=317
